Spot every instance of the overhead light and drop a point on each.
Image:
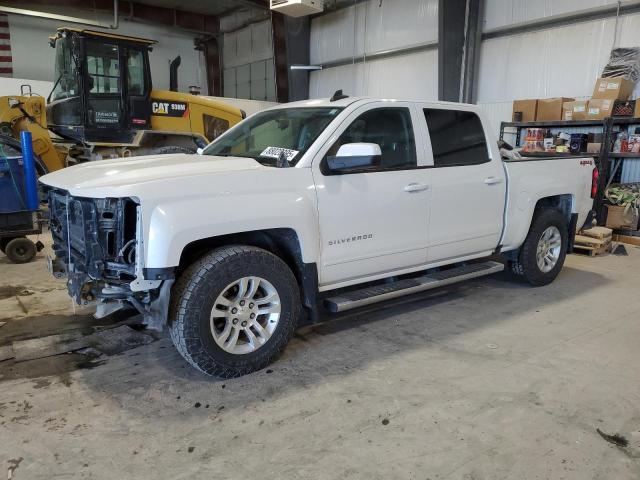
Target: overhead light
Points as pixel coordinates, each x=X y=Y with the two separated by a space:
x=305 y=67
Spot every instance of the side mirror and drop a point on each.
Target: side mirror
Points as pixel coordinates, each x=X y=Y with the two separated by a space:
x=200 y=150
x=355 y=157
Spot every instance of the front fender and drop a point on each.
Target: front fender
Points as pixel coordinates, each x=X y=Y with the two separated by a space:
x=171 y=226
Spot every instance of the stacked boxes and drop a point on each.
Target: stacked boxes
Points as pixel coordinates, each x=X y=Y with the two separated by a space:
x=606 y=93
x=614 y=88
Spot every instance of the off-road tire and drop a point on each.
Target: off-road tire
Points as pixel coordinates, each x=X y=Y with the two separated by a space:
x=192 y=299
x=20 y=250
x=525 y=265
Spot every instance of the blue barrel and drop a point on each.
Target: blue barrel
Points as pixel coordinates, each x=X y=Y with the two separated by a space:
x=30 y=178
x=12 y=186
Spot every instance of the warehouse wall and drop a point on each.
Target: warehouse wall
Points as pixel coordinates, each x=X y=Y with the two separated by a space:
x=247 y=58
x=560 y=61
x=372 y=27
x=33 y=58
x=500 y=13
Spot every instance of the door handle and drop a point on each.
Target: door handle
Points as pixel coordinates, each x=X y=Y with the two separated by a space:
x=492 y=180
x=416 y=187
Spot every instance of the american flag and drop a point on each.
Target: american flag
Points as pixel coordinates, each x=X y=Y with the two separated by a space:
x=6 y=62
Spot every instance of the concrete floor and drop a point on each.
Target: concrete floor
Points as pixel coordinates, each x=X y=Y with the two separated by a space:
x=487 y=380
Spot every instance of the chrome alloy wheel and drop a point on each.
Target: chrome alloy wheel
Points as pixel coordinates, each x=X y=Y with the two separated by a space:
x=245 y=315
x=548 y=251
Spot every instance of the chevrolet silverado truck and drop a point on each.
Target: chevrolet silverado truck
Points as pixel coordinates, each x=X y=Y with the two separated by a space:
x=306 y=210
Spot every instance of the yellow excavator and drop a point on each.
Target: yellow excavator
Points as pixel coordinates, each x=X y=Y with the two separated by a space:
x=103 y=105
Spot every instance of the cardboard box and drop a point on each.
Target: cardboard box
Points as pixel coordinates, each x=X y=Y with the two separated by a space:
x=618 y=219
x=575 y=110
x=550 y=109
x=613 y=88
x=528 y=108
x=593 y=147
x=599 y=109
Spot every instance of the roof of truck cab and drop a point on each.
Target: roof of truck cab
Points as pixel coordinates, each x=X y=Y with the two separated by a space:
x=344 y=102
x=114 y=36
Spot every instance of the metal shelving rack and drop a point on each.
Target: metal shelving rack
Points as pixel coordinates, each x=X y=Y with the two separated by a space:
x=610 y=127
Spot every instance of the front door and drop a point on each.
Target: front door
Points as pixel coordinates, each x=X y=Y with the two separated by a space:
x=467 y=201
x=374 y=222
x=105 y=118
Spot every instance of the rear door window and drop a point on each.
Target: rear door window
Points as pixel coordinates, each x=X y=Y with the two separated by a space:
x=457 y=137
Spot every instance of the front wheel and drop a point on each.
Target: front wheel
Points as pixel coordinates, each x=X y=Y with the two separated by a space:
x=544 y=250
x=233 y=311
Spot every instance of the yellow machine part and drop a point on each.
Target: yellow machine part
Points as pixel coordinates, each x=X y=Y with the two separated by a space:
x=14 y=119
x=182 y=112
x=171 y=112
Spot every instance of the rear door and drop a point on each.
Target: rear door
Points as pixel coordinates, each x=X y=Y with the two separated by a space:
x=468 y=186
x=374 y=222
x=138 y=85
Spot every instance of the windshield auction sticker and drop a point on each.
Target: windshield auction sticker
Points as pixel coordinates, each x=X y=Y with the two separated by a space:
x=275 y=152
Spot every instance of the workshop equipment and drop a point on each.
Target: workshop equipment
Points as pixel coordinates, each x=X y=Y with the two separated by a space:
x=19 y=201
x=103 y=106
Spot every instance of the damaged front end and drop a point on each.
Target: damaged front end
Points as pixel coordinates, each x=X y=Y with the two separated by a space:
x=98 y=246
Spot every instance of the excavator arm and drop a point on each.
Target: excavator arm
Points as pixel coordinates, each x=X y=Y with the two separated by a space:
x=18 y=113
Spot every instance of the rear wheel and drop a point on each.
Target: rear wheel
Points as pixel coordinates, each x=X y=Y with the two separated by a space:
x=544 y=250
x=20 y=250
x=233 y=311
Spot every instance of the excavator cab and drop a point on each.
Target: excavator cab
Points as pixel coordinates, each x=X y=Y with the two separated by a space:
x=102 y=86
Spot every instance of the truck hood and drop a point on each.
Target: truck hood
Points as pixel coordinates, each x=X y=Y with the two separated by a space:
x=97 y=179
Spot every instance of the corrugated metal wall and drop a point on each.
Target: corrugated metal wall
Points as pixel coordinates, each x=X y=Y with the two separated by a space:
x=558 y=61
x=247 y=58
x=500 y=13
x=561 y=61
x=555 y=62
x=389 y=25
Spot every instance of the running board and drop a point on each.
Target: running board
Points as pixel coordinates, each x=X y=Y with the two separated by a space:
x=400 y=288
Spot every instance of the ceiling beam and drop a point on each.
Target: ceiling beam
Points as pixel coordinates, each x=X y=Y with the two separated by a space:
x=264 y=4
x=170 y=17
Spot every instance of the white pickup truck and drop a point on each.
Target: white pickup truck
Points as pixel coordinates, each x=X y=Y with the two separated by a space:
x=304 y=210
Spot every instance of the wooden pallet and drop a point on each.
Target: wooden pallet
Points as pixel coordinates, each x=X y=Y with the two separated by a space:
x=601 y=233
x=590 y=251
x=593 y=241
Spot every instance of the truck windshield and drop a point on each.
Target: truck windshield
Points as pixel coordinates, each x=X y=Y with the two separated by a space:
x=65 y=77
x=275 y=135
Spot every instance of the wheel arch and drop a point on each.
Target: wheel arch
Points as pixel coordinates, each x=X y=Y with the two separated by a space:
x=282 y=242
x=562 y=202
x=522 y=211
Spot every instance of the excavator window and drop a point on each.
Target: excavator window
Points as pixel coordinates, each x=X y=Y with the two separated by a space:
x=103 y=67
x=66 y=78
x=135 y=72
